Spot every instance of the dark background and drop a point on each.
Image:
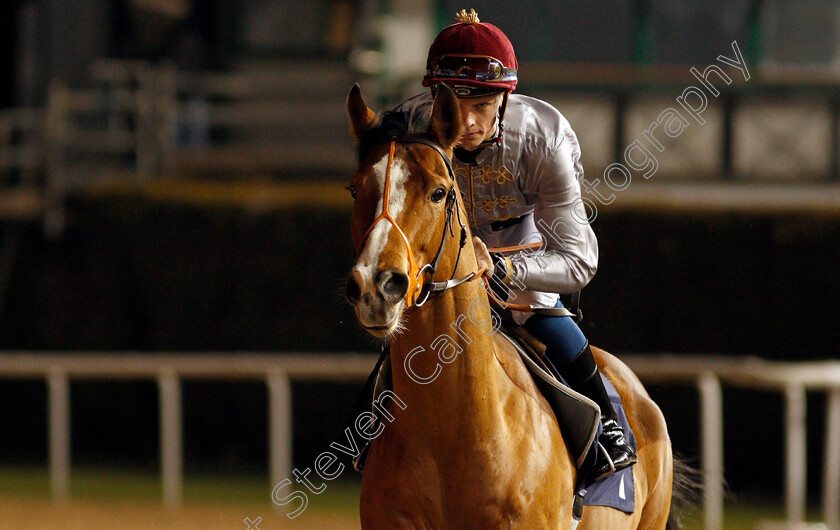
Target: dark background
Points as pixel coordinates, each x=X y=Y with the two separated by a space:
x=132 y=274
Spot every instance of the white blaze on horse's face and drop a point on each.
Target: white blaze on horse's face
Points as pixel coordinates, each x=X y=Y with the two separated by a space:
x=369 y=259
x=376 y=292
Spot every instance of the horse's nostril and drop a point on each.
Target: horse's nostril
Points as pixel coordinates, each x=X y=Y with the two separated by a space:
x=352 y=290
x=392 y=285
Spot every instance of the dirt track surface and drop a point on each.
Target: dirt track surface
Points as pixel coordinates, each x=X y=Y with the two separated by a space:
x=38 y=514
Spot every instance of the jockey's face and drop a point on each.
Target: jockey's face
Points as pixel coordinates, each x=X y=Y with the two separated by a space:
x=479 y=118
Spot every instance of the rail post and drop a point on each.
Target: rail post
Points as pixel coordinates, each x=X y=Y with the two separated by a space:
x=58 y=385
x=711 y=407
x=171 y=440
x=280 y=427
x=796 y=452
x=831 y=485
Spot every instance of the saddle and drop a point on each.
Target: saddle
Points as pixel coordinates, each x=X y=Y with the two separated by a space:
x=578 y=416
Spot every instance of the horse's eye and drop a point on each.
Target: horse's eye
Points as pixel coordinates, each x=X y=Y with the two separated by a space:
x=352 y=189
x=438 y=194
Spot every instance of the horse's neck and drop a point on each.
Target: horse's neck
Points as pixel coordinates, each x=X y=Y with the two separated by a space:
x=442 y=392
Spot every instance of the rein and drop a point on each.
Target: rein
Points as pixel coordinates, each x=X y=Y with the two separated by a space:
x=419 y=291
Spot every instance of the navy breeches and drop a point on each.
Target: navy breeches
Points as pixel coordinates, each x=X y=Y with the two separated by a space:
x=562 y=337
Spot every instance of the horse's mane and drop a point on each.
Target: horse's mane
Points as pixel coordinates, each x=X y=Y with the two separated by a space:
x=387 y=125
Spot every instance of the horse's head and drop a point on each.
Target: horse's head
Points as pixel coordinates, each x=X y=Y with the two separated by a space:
x=404 y=196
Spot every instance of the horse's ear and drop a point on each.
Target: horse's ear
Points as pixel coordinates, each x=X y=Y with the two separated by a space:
x=445 y=125
x=361 y=117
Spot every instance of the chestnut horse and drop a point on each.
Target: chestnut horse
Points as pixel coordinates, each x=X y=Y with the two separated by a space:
x=472 y=443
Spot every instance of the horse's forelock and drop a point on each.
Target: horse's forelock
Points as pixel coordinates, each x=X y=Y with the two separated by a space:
x=390 y=124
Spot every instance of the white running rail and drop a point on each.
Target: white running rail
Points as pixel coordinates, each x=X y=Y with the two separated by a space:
x=707 y=372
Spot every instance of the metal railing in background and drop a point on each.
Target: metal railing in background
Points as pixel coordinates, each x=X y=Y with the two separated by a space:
x=793 y=380
x=21 y=163
x=21 y=142
x=245 y=121
x=781 y=125
x=140 y=120
x=778 y=125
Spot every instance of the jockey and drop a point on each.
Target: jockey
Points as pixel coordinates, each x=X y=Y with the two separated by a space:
x=518 y=169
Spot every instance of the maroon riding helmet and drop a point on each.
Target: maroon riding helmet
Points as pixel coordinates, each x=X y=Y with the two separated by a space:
x=474 y=58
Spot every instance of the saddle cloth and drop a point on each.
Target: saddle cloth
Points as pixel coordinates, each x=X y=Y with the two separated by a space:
x=617 y=490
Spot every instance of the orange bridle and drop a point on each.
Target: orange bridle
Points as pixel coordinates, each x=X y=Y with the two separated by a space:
x=418 y=291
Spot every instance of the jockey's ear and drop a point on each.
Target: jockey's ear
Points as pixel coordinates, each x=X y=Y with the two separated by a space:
x=361 y=117
x=445 y=124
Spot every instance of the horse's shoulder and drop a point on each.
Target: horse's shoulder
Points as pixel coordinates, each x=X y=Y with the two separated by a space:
x=515 y=370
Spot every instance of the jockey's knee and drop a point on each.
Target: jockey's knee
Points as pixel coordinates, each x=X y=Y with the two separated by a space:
x=562 y=337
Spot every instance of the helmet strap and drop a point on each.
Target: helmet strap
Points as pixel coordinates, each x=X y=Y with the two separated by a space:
x=502 y=109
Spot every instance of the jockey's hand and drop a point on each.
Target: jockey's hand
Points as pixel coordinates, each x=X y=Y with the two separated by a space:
x=494 y=268
x=482 y=255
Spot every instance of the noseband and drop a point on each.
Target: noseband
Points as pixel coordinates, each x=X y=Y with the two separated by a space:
x=419 y=291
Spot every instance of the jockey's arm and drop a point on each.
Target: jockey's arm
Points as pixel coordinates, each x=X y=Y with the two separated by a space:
x=570 y=256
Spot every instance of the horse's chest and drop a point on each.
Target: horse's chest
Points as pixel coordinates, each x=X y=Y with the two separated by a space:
x=481 y=495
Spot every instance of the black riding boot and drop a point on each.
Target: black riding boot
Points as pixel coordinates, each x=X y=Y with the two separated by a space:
x=582 y=375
